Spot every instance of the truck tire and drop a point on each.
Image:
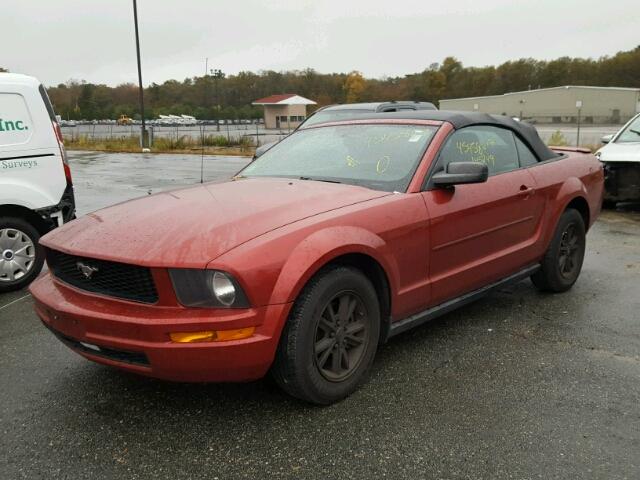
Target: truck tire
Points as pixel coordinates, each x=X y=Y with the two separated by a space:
x=330 y=339
x=21 y=256
x=562 y=262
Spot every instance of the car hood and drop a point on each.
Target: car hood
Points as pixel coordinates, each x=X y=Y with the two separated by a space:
x=620 y=152
x=192 y=226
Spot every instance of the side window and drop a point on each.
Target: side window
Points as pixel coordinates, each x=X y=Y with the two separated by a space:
x=527 y=158
x=493 y=146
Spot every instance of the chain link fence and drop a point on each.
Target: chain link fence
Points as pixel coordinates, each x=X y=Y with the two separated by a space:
x=250 y=134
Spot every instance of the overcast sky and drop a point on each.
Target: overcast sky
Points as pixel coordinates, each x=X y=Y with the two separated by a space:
x=57 y=40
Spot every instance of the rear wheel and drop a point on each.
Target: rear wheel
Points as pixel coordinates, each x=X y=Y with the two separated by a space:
x=330 y=339
x=21 y=256
x=562 y=262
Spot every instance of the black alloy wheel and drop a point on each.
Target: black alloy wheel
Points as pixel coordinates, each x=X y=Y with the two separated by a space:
x=330 y=339
x=562 y=262
x=569 y=251
x=342 y=334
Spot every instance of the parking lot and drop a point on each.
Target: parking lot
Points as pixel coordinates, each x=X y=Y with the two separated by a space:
x=517 y=385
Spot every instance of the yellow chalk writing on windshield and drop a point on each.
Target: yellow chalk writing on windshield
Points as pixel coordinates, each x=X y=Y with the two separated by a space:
x=478 y=151
x=352 y=162
x=383 y=164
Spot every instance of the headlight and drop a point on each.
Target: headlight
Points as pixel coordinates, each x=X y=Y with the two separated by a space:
x=207 y=289
x=223 y=289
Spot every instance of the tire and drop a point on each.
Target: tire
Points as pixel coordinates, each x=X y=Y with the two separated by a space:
x=562 y=262
x=330 y=339
x=21 y=256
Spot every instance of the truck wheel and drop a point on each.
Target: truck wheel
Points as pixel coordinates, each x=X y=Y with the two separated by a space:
x=21 y=256
x=330 y=339
x=562 y=262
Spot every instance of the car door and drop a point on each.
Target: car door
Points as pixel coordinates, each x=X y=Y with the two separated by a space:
x=481 y=232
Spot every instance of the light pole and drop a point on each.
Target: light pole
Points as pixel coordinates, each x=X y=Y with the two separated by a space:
x=217 y=75
x=143 y=133
x=579 y=107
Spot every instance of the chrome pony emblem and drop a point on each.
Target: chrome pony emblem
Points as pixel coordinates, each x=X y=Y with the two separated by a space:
x=86 y=270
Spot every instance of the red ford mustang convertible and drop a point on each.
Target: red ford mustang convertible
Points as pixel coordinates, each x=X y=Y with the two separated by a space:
x=338 y=238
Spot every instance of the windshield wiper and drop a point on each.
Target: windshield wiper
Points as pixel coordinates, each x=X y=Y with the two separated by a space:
x=319 y=179
x=637 y=132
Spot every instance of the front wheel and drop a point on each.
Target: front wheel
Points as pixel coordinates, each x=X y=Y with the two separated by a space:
x=21 y=256
x=562 y=262
x=331 y=337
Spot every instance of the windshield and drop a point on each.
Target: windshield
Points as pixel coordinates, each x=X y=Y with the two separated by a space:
x=326 y=116
x=381 y=157
x=631 y=133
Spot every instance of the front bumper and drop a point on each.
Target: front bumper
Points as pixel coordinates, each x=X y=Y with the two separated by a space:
x=135 y=337
x=622 y=181
x=57 y=215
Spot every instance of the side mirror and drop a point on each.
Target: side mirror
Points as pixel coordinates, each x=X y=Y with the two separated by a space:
x=459 y=173
x=607 y=138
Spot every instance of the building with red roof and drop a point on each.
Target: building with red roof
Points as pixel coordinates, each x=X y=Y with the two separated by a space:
x=284 y=111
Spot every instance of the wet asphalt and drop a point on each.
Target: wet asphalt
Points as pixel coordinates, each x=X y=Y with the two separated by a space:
x=518 y=385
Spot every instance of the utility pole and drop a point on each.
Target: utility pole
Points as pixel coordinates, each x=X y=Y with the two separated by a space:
x=579 y=107
x=217 y=75
x=143 y=133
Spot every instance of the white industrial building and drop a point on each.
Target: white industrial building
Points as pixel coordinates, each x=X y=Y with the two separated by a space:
x=600 y=105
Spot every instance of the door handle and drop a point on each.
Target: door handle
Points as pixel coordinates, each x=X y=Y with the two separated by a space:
x=526 y=190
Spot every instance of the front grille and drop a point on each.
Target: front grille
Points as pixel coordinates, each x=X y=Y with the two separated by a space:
x=114 y=279
x=136 y=358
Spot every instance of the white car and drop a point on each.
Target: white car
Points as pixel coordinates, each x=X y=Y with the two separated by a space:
x=621 y=159
x=36 y=191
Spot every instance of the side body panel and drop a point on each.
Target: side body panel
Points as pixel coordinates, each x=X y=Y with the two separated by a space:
x=481 y=232
x=392 y=230
x=578 y=175
x=31 y=169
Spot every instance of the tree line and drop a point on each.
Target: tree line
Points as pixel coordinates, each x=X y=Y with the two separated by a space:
x=221 y=96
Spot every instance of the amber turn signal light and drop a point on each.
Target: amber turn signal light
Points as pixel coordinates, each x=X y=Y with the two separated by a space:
x=212 y=335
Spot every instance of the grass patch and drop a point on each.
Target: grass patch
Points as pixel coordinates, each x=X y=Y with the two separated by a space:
x=209 y=144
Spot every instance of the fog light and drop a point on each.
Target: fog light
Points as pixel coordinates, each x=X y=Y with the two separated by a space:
x=237 y=334
x=188 y=337
x=212 y=336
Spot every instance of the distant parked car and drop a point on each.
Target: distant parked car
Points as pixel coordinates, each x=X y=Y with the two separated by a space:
x=335 y=240
x=346 y=111
x=621 y=159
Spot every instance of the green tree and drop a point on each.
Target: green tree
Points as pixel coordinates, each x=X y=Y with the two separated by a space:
x=230 y=96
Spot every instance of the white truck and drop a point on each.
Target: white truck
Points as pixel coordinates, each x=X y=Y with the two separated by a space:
x=621 y=159
x=36 y=190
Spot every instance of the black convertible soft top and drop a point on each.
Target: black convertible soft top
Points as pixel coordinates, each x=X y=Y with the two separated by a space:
x=527 y=133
